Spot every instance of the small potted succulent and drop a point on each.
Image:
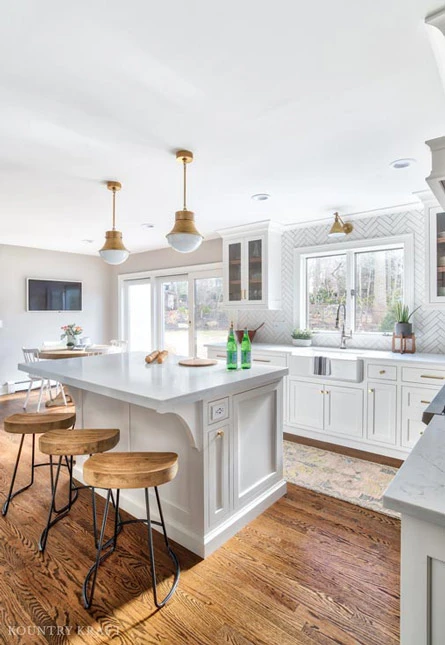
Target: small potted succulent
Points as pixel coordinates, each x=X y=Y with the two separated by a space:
x=403 y=326
x=302 y=337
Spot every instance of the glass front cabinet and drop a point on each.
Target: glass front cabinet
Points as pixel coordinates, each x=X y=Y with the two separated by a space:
x=436 y=241
x=252 y=266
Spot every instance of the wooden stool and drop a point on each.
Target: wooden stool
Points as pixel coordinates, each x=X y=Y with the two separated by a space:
x=130 y=470
x=71 y=444
x=33 y=423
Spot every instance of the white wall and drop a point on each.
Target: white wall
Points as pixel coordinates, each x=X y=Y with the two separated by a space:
x=31 y=329
x=210 y=251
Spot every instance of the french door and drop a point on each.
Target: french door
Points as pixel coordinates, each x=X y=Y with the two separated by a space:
x=179 y=312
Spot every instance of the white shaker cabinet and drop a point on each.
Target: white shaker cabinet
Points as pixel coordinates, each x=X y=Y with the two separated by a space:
x=343 y=410
x=218 y=451
x=381 y=417
x=252 y=266
x=306 y=404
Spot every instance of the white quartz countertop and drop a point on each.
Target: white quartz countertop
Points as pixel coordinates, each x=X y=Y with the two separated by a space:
x=418 y=489
x=127 y=377
x=315 y=350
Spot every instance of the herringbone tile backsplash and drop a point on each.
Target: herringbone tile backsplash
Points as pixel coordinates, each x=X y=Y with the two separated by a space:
x=429 y=324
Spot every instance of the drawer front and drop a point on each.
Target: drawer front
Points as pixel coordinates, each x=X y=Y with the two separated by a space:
x=257 y=357
x=414 y=401
x=385 y=372
x=218 y=410
x=424 y=375
x=268 y=359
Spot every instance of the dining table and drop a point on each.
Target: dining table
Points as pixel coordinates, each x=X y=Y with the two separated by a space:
x=57 y=354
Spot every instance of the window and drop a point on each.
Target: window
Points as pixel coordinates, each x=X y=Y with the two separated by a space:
x=180 y=312
x=367 y=277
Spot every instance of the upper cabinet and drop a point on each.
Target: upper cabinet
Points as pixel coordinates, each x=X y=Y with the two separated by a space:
x=436 y=253
x=252 y=266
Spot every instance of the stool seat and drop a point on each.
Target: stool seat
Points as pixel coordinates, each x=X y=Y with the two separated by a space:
x=78 y=442
x=130 y=469
x=36 y=422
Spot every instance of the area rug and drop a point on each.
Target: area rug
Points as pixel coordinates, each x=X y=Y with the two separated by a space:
x=353 y=480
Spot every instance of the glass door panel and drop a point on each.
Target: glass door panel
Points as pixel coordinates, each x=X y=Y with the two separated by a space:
x=235 y=271
x=210 y=320
x=138 y=315
x=255 y=270
x=175 y=318
x=440 y=250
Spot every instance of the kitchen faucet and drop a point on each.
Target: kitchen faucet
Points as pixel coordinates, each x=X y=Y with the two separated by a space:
x=343 y=337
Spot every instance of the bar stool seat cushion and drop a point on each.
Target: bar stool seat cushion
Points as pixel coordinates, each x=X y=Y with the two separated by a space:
x=84 y=441
x=36 y=422
x=130 y=469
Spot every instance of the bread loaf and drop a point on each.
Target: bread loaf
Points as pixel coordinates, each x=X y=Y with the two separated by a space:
x=152 y=357
x=162 y=356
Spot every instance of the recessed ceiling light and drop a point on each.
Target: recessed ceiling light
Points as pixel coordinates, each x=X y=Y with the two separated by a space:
x=87 y=241
x=260 y=197
x=399 y=164
x=146 y=225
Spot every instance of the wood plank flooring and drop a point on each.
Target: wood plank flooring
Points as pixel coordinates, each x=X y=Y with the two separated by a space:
x=311 y=570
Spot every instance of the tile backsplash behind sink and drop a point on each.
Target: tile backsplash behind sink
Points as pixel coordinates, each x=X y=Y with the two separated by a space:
x=429 y=324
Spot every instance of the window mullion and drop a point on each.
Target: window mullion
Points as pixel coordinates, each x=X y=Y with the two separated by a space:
x=350 y=283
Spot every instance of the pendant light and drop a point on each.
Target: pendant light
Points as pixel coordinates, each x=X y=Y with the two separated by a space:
x=114 y=251
x=184 y=236
x=340 y=228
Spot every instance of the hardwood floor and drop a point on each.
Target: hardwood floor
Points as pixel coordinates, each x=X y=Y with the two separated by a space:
x=311 y=570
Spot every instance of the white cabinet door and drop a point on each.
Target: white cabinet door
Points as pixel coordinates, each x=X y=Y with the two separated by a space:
x=381 y=414
x=343 y=410
x=257 y=442
x=414 y=402
x=306 y=404
x=218 y=474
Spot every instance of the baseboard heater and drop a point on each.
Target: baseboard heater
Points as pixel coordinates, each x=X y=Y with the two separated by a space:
x=10 y=387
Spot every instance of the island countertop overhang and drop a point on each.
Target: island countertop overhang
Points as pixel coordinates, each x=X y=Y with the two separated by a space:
x=128 y=378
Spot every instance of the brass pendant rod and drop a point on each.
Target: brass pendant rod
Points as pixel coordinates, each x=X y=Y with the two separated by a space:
x=114 y=208
x=185 y=182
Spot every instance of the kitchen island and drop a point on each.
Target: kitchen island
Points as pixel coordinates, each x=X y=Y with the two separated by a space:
x=225 y=426
x=418 y=493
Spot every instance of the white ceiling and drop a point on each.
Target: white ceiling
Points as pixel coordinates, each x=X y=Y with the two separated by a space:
x=308 y=101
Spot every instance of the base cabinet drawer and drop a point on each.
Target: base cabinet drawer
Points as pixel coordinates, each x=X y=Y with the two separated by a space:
x=383 y=372
x=414 y=401
x=258 y=358
x=381 y=413
x=424 y=375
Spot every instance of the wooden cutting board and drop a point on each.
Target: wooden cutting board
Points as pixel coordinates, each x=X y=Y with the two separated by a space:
x=197 y=362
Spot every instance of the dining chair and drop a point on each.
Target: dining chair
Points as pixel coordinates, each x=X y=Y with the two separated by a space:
x=31 y=355
x=119 y=345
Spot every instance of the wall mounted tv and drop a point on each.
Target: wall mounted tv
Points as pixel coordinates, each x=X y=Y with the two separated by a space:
x=53 y=295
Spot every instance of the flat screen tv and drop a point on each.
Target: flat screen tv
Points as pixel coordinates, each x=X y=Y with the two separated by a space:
x=53 y=295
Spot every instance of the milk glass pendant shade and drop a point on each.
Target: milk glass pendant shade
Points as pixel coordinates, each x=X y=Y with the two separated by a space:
x=184 y=236
x=114 y=251
x=340 y=228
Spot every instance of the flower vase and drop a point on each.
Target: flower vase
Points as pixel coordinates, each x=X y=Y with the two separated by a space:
x=70 y=340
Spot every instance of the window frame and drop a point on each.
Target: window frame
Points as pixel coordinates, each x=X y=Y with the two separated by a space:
x=350 y=249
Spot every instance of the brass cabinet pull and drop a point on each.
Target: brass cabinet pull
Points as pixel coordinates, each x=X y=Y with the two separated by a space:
x=371 y=390
x=382 y=372
x=220 y=356
x=438 y=378
x=426 y=402
x=220 y=433
x=261 y=360
x=322 y=392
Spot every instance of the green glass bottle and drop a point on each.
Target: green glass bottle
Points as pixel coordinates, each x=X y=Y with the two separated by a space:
x=246 y=352
x=232 y=350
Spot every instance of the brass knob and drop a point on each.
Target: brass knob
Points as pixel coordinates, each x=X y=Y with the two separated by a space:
x=371 y=390
x=220 y=433
x=382 y=372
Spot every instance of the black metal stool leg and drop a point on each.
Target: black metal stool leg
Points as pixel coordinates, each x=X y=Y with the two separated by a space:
x=170 y=552
x=51 y=522
x=88 y=597
x=11 y=495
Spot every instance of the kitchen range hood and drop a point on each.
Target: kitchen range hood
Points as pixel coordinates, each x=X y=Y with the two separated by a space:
x=436 y=179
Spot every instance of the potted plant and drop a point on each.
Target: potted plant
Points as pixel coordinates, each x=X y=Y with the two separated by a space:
x=302 y=337
x=403 y=327
x=70 y=332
